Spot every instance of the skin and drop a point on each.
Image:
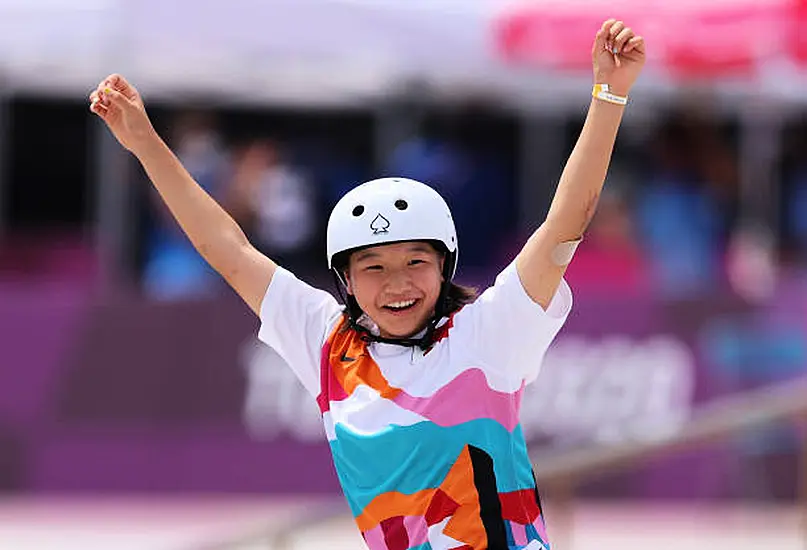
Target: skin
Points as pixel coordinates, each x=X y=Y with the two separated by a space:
x=583 y=176
x=393 y=273
x=618 y=56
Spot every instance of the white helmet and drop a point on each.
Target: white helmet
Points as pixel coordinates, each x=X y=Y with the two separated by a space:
x=390 y=210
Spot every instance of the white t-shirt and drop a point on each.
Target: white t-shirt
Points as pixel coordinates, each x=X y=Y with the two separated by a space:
x=428 y=447
x=504 y=327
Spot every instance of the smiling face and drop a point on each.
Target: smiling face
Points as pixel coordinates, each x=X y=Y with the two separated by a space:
x=397 y=285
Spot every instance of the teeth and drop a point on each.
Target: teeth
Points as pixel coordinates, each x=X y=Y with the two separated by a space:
x=401 y=305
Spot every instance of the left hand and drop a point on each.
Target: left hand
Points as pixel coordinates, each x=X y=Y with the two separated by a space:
x=618 y=56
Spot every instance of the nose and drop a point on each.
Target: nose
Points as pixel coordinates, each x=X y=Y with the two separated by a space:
x=398 y=282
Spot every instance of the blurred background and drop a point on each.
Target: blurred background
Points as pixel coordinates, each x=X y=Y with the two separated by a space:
x=137 y=409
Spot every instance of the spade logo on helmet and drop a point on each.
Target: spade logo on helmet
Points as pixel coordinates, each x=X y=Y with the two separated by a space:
x=379 y=225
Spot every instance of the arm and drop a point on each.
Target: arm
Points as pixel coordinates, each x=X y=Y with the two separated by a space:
x=212 y=231
x=583 y=177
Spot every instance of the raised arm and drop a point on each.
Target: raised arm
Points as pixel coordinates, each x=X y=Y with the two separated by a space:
x=213 y=232
x=618 y=56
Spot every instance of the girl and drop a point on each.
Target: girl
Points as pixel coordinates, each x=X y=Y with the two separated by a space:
x=418 y=383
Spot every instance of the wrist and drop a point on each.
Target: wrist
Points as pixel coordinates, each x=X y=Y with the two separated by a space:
x=603 y=93
x=618 y=89
x=621 y=92
x=147 y=144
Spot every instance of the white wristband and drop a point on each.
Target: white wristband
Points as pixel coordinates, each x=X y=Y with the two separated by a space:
x=603 y=92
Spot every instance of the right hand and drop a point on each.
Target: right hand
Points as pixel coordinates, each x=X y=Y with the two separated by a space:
x=121 y=108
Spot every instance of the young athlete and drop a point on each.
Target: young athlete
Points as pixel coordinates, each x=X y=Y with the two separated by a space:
x=418 y=383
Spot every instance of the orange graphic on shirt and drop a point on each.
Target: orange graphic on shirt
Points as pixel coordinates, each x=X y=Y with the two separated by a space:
x=352 y=365
x=458 y=497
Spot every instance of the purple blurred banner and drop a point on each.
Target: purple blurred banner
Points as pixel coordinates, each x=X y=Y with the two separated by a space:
x=132 y=396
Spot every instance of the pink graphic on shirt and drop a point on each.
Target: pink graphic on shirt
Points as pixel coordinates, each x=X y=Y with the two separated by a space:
x=345 y=365
x=540 y=526
x=478 y=401
x=417 y=529
x=519 y=533
x=375 y=538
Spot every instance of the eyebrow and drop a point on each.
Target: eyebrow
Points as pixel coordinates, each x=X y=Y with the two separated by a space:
x=371 y=254
x=365 y=255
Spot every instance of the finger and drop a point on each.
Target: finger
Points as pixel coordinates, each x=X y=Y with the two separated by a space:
x=616 y=28
x=619 y=41
x=99 y=93
x=117 y=98
x=613 y=31
x=606 y=26
x=600 y=41
x=117 y=82
x=99 y=109
x=634 y=44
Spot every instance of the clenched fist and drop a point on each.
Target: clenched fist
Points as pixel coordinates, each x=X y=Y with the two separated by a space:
x=618 y=56
x=121 y=108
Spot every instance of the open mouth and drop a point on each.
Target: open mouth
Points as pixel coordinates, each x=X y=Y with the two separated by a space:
x=398 y=307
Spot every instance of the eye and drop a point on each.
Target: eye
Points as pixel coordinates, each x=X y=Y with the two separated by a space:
x=373 y=268
x=416 y=261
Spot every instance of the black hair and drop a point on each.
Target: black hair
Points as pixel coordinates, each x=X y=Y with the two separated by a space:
x=459 y=296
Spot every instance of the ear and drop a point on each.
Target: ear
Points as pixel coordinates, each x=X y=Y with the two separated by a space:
x=348 y=282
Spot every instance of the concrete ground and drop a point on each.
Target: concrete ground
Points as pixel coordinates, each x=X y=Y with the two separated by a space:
x=238 y=523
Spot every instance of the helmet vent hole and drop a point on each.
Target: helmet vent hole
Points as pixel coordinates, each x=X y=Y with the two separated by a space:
x=358 y=211
x=401 y=204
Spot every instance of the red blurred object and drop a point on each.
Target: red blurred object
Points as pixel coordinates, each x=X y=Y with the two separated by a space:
x=798 y=35
x=694 y=40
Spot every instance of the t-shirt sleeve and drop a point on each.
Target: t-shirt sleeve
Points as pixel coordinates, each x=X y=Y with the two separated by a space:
x=507 y=331
x=296 y=319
